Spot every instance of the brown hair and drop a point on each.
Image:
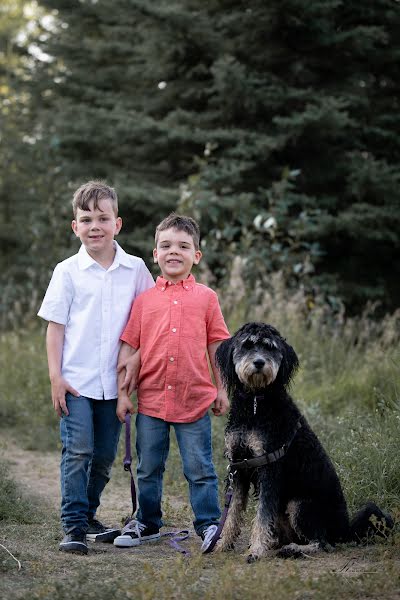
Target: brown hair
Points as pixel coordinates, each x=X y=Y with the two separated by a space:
x=181 y=223
x=96 y=191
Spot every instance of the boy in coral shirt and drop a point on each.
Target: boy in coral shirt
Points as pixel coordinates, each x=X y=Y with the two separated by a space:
x=176 y=325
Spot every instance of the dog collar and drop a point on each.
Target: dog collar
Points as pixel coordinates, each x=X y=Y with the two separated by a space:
x=265 y=459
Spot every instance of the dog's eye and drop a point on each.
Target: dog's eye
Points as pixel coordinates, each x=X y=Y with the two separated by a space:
x=269 y=345
x=247 y=344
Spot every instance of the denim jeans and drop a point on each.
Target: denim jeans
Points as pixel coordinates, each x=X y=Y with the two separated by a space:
x=194 y=441
x=89 y=436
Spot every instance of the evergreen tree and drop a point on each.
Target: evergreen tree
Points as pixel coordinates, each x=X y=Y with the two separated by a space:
x=278 y=121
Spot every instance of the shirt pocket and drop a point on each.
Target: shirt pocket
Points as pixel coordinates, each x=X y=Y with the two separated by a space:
x=193 y=324
x=123 y=296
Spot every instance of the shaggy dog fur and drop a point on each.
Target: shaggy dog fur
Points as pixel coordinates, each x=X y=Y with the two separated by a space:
x=301 y=506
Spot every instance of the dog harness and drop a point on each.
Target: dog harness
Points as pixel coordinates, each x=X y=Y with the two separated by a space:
x=266 y=459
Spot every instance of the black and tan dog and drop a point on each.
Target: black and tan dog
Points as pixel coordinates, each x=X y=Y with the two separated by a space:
x=269 y=444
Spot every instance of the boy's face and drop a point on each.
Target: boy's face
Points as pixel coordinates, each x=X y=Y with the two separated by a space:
x=96 y=228
x=176 y=254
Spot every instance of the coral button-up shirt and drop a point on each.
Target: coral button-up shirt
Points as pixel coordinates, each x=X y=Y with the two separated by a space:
x=173 y=324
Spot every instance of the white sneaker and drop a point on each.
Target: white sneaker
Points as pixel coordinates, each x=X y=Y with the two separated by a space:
x=207 y=535
x=134 y=533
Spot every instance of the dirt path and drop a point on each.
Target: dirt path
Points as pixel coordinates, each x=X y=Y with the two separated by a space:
x=38 y=474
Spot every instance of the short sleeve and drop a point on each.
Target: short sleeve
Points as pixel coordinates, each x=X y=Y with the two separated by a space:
x=216 y=326
x=131 y=333
x=58 y=298
x=144 y=280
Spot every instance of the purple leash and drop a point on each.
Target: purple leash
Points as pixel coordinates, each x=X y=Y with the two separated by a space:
x=175 y=536
x=228 y=499
x=128 y=460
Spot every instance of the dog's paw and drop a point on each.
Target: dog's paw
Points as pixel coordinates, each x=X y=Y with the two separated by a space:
x=252 y=558
x=290 y=551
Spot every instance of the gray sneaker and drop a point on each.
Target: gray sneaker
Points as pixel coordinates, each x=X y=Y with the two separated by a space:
x=74 y=542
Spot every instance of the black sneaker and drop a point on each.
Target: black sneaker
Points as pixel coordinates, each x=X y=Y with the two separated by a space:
x=134 y=533
x=97 y=532
x=74 y=542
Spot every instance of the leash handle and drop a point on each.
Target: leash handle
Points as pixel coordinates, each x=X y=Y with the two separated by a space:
x=128 y=460
x=175 y=538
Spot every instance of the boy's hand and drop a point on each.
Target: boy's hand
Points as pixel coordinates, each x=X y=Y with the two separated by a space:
x=59 y=388
x=124 y=406
x=131 y=364
x=221 y=403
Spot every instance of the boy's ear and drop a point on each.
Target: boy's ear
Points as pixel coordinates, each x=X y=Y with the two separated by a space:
x=118 y=225
x=155 y=258
x=74 y=226
x=197 y=257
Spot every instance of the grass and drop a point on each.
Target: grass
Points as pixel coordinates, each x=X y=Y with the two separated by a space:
x=348 y=387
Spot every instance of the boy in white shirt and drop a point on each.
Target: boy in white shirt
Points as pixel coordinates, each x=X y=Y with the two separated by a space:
x=87 y=305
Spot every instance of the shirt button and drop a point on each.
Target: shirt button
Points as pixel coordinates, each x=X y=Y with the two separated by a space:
x=175 y=301
x=174 y=329
x=169 y=387
x=172 y=359
x=162 y=289
x=186 y=287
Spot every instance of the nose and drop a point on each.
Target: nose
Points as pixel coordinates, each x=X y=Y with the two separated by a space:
x=259 y=363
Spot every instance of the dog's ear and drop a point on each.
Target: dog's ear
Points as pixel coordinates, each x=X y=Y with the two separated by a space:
x=224 y=362
x=289 y=364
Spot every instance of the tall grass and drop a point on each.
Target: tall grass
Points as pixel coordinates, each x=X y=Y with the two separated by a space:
x=346 y=363
x=348 y=386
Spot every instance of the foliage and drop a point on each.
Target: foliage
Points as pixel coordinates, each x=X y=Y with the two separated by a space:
x=300 y=170
x=274 y=124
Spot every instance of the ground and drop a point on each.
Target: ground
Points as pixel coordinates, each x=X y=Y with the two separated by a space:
x=157 y=570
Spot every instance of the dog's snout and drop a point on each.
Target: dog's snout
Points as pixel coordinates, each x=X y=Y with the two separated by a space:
x=259 y=363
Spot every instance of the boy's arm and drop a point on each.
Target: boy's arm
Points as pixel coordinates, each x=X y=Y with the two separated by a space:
x=128 y=369
x=129 y=365
x=221 y=403
x=59 y=386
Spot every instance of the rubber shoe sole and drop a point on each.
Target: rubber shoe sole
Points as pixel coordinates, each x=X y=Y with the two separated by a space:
x=126 y=541
x=74 y=547
x=106 y=537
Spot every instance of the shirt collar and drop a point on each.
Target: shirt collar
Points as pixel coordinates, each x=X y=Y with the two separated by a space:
x=121 y=258
x=186 y=284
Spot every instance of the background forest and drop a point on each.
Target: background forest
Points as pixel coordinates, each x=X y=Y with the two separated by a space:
x=277 y=125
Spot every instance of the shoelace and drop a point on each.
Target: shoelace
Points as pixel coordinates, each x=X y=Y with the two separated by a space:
x=209 y=534
x=133 y=527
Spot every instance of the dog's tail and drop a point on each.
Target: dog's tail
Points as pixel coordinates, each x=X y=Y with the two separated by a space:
x=370 y=520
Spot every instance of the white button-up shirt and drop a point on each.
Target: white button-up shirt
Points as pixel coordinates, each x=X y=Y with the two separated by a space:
x=94 y=304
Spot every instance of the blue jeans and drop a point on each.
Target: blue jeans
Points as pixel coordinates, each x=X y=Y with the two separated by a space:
x=89 y=436
x=194 y=441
